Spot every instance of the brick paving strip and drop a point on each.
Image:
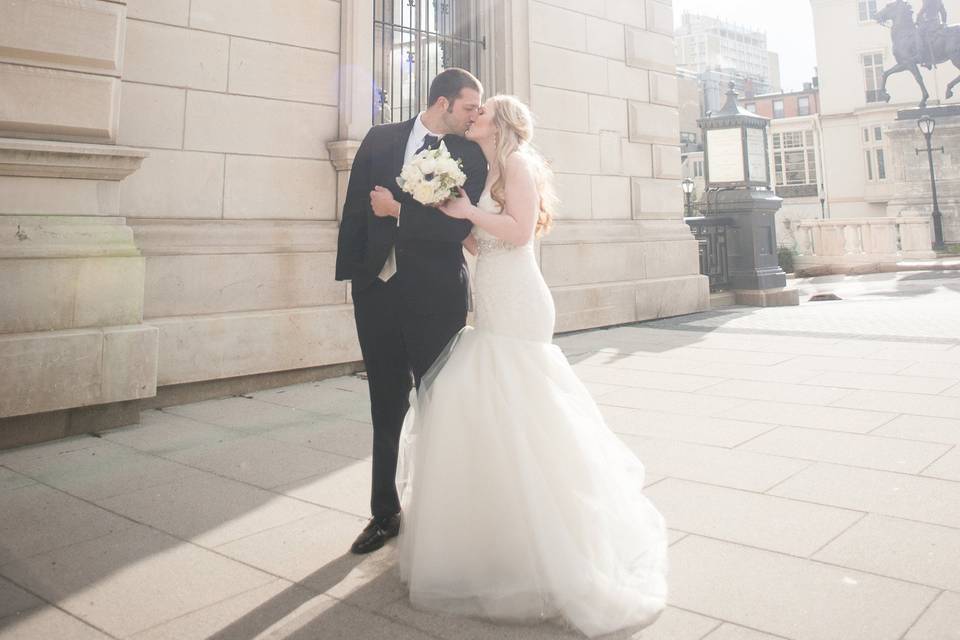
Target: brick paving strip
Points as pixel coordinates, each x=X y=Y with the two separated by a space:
x=806 y=460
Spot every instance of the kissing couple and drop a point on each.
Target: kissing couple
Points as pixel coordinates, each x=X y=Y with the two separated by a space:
x=512 y=499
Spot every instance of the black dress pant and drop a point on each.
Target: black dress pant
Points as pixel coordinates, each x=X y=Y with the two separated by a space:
x=396 y=343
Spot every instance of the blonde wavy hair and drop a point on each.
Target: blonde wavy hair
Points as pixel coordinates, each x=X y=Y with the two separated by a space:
x=514 y=126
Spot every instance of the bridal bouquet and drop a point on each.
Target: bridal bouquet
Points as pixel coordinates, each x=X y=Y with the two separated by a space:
x=432 y=176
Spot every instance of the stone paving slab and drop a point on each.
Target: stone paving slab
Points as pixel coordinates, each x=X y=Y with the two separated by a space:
x=807 y=461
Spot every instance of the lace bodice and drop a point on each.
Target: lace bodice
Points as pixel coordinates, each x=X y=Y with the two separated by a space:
x=488 y=243
x=510 y=295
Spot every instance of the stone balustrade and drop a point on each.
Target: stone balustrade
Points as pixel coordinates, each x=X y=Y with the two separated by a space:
x=848 y=245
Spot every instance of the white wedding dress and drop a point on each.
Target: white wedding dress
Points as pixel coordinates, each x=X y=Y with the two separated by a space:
x=519 y=503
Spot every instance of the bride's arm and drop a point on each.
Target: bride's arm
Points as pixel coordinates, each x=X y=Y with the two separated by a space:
x=518 y=220
x=470 y=244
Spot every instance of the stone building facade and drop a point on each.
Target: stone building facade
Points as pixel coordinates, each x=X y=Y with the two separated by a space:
x=866 y=172
x=170 y=178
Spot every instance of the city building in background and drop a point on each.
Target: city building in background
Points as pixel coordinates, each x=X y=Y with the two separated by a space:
x=795 y=149
x=720 y=52
x=870 y=167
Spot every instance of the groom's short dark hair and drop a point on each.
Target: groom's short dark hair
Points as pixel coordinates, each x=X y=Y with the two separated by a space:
x=450 y=82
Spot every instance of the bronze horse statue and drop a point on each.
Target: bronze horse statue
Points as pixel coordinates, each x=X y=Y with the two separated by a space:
x=943 y=45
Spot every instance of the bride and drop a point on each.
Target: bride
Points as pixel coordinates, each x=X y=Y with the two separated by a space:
x=519 y=503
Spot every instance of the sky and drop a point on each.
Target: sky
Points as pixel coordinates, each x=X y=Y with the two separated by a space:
x=788 y=24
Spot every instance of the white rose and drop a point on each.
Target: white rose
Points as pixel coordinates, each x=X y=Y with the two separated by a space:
x=423 y=193
x=411 y=173
x=448 y=166
x=427 y=165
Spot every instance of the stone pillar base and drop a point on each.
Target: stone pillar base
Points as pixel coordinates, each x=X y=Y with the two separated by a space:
x=19 y=431
x=781 y=297
x=613 y=303
x=47 y=371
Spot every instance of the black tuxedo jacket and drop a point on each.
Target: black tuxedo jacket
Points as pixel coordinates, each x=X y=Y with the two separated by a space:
x=431 y=270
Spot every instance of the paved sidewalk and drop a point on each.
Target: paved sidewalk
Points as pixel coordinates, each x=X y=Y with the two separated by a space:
x=805 y=459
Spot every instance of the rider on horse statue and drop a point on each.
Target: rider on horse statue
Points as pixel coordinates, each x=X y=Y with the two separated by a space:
x=931 y=19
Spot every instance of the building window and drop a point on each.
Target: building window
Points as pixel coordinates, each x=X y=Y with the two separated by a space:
x=778 y=108
x=803 y=105
x=873 y=154
x=413 y=41
x=872 y=75
x=794 y=158
x=698 y=169
x=868 y=9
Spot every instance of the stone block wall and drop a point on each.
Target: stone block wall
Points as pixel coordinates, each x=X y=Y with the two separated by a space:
x=604 y=90
x=235 y=208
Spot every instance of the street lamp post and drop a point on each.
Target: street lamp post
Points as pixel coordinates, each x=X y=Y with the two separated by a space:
x=927 y=125
x=687 y=186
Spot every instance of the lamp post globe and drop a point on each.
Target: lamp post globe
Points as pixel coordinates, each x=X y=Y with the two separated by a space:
x=687 y=186
x=927 y=125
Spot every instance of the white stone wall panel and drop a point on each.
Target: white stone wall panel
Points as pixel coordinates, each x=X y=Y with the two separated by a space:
x=563 y=69
x=263 y=188
x=162 y=54
x=82 y=36
x=605 y=38
x=573 y=189
x=32 y=104
x=187 y=285
x=570 y=152
x=558 y=27
x=653 y=123
x=259 y=126
x=656 y=199
x=628 y=12
x=279 y=71
x=151 y=116
x=176 y=12
x=306 y=23
x=59 y=196
x=608 y=114
x=611 y=197
x=666 y=161
x=650 y=50
x=560 y=109
x=628 y=82
x=175 y=184
x=237 y=344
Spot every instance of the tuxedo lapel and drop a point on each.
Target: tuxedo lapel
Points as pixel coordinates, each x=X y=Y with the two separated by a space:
x=400 y=145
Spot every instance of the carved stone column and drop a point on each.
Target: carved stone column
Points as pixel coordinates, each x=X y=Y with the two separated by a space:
x=73 y=346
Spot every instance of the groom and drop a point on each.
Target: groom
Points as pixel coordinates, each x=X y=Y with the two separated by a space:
x=406 y=264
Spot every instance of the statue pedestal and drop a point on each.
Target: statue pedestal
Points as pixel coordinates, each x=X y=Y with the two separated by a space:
x=910 y=170
x=755 y=273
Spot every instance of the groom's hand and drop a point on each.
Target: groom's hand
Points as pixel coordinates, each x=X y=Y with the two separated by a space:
x=383 y=203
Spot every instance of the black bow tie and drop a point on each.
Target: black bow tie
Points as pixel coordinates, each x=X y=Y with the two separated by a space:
x=429 y=142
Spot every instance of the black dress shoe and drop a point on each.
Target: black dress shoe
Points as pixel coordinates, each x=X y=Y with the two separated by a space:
x=376 y=534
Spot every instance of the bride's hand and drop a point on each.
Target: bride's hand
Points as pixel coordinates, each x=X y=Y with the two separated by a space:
x=460 y=208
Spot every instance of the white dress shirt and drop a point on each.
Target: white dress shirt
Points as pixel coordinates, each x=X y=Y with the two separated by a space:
x=414 y=142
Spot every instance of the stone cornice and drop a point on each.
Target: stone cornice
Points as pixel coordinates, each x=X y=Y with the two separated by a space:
x=46 y=159
x=342 y=153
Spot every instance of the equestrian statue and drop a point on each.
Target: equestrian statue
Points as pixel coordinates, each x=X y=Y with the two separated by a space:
x=927 y=42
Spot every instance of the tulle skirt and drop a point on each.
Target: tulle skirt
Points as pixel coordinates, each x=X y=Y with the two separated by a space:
x=518 y=502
